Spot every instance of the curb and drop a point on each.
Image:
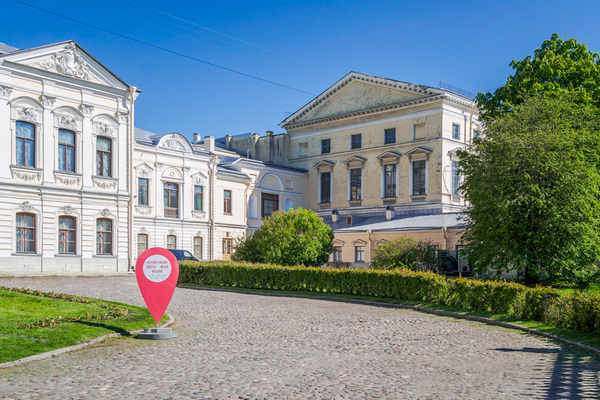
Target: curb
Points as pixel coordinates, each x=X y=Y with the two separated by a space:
x=57 y=352
x=427 y=310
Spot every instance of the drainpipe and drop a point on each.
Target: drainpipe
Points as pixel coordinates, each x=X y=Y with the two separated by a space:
x=212 y=176
x=132 y=90
x=370 y=247
x=444 y=232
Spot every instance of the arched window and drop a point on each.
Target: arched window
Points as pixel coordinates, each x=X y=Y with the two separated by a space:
x=171 y=242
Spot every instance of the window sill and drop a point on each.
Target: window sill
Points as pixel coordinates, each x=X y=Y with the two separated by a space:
x=389 y=200
x=104 y=182
x=227 y=213
x=67 y=177
x=104 y=256
x=143 y=209
x=68 y=255
x=26 y=173
x=27 y=255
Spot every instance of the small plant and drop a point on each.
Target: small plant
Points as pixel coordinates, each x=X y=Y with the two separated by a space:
x=406 y=253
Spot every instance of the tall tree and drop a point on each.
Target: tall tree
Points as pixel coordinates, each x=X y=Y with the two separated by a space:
x=534 y=188
x=296 y=237
x=558 y=65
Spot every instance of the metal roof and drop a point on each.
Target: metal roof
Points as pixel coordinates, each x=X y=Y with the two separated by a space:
x=407 y=223
x=5 y=48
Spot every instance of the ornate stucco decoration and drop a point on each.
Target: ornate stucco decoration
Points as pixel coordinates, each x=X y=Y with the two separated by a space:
x=104 y=129
x=123 y=117
x=67 y=210
x=143 y=210
x=172 y=231
x=198 y=214
x=5 y=92
x=143 y=172
x=105 y=213
x=173 y=143
x=25 y=206
x=68 y=180
x=143 y=229
x=67 y=62
x=87 y=110
x=104 y=184
x=48 y=101
x=199 y=179
x=67 y=121
x=26 y=175
x=29 y=114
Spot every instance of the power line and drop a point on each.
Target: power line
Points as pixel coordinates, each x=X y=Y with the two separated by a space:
x=228 y=36
x=166 y=50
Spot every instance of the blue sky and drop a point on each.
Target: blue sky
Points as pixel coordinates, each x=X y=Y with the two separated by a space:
x=306 y=45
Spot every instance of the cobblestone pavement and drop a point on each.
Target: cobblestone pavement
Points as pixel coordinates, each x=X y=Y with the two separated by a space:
x=242 y=346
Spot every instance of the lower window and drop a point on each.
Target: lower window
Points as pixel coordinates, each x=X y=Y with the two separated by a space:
x=359 y=253
x=337 y=253
x=104 y=236
x=66 y=235
x=25 y=233
x=142 y=243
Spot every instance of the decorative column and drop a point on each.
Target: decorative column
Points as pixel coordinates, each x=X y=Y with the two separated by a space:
x=6 y=150
x=48 y=148
x=88 y=164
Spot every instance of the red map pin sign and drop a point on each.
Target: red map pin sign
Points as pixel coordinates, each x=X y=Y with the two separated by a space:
x=156 y=271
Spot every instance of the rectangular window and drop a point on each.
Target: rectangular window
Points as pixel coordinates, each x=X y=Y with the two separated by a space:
x=227 y=201
x=337 y=253
x=198 y=247
x=455 y=178
x=66 y=150
x=25 y=142
x=325 y=187
x=103 y=236
x=142 y=191
x=356 y=141
x=66 y=235
x=171 y=242
x=389 y=180
x=270 y=204
x=198 y=198
x=418 y=178
x=355 y=184
x=456 y=131
x=25 y=233
x=325 y=146
x=359 y=253
x=171 y=193
x=389 y=136
x=227 y=248
x=103 y=156
x=142 y=243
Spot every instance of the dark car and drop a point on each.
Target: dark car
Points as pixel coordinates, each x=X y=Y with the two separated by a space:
x=183 y=255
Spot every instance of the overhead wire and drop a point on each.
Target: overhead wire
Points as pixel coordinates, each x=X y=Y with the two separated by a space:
x=166 y=49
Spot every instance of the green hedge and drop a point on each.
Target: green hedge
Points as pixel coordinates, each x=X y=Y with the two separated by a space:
x=579 y=311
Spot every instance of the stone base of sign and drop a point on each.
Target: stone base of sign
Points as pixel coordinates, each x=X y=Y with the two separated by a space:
x=157 y=334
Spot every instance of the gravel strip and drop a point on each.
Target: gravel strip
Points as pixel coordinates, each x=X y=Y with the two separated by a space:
x=240 y=346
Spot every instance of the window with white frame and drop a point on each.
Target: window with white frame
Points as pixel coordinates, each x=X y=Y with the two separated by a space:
x=25 y=144
x=337 y=253
x=142 y=243
x=419 y=178
x=143 y=186
x=66 y=150
x=389 y=180
x=455 y=178
x=456 y=131
x=171 y=242
x=198 y=198
x=104 y=233
x=197 y=248
x=227 y=206
x=25 y=233
x=67 y=232
x=103 y=156
x=359 y=253
x=171 y=197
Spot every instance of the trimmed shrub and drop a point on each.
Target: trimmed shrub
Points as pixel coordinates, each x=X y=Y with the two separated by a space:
x=577 y=311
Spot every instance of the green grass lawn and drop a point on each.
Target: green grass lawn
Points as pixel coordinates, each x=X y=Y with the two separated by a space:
x=19 y=312
x=593 y=288
x=569 y=334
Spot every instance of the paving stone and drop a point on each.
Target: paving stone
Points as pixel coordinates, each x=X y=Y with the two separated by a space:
x=242 y=346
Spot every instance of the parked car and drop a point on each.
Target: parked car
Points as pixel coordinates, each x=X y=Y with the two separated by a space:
x=183 y=255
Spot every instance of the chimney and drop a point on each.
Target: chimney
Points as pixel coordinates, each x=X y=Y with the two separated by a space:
x=209 y=143
x=335 y=216
x=269 y=133
x=196 y=138
x=389 y=213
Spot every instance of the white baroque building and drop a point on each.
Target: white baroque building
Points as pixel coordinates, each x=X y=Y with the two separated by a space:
x=84 y=192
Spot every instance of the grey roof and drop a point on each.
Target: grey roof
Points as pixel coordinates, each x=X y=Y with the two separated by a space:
x=5 y=48
x=407 y=223
x=145 y=136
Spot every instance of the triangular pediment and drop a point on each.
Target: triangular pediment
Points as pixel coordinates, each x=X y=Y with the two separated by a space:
x=67 y=59
x=358 y=92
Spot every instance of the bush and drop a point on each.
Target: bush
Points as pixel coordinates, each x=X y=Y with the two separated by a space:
x=407 y=253
x=296 y=237
x=578 y=311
